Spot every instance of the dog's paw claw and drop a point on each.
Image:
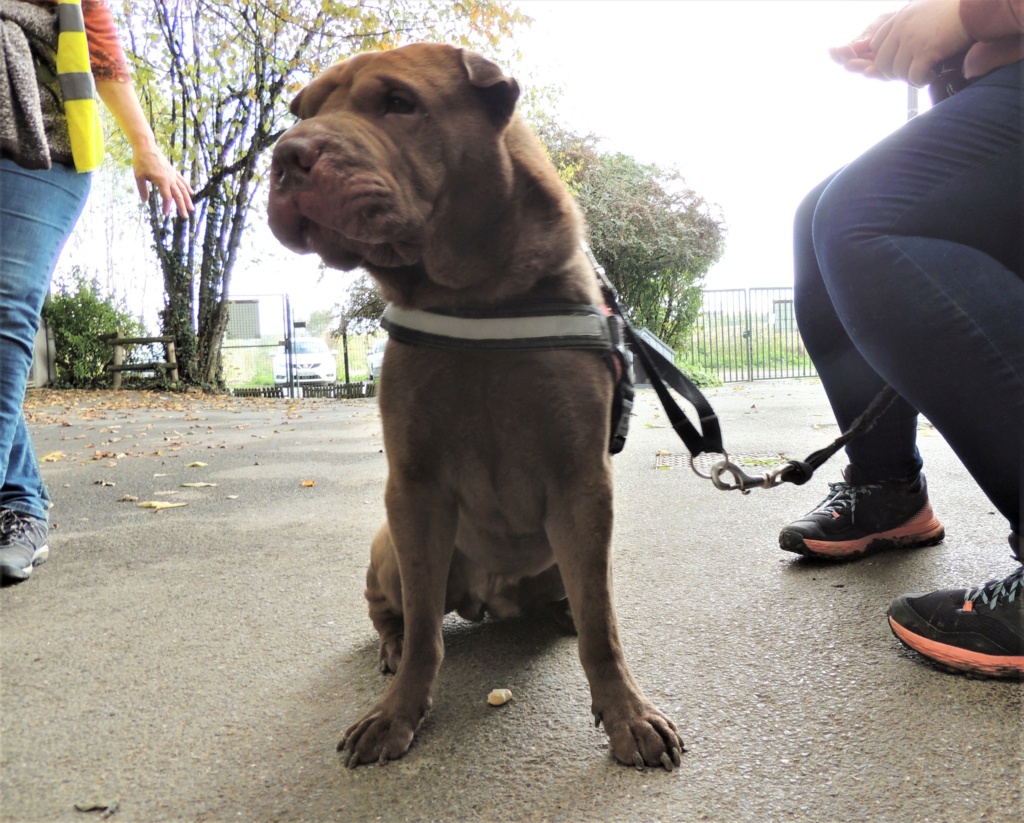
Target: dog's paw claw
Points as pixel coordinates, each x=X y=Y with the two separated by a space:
x=638 y=761
x=383 y=757
x=668 y=762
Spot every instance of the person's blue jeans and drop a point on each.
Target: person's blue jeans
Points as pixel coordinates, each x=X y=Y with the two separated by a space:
x=38 y=211
x=910 y=271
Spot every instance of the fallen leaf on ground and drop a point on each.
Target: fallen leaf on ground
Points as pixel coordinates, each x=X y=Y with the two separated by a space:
x=53 y=457
x=197 y=485
x=108 y=807
x=159 y=504
x=196 y=465
x=127 y=498
x=308 y=483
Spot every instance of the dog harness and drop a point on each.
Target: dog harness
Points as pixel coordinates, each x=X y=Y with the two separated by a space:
x=525 y=327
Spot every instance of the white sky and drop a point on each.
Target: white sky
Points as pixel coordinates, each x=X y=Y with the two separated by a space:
x=739 y=95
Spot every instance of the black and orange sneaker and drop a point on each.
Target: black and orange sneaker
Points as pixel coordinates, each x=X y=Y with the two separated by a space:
x=977 y=631
x=860 y=518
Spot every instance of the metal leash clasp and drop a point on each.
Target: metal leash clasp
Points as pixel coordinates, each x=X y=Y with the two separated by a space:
x=740 y=480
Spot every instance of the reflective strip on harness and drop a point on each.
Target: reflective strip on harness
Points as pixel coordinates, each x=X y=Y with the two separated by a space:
x=565 y=326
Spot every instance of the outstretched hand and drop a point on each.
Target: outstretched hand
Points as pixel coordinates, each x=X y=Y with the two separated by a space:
x=907 y=44
x=175 y=192
x=148 y=161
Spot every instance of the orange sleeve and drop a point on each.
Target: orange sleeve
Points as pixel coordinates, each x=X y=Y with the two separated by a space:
x=998 y=26
x=988 y=20
x=105 y=50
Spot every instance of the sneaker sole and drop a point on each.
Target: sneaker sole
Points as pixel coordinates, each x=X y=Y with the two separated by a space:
x=12 y=573
x=959 y=660
x=922 y=530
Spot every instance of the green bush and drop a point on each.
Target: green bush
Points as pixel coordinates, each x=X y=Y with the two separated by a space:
x=701 y=378
x=78 y=314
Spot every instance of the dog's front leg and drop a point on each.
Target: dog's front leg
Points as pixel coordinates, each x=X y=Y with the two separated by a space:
x=579 y=527
x=422 y=524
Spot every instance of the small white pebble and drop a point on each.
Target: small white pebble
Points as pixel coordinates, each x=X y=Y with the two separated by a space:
x=499 y=696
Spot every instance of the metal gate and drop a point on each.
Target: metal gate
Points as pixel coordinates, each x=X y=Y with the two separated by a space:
x=264 y=327
x=749 y=334
x=257 y=328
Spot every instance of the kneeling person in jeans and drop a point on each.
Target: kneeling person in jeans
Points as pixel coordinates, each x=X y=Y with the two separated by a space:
x=910 y=272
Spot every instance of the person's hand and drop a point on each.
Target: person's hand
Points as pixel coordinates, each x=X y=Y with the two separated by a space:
x=148 y=161
x=857 y=55
x=909 y=43
x=152 y=167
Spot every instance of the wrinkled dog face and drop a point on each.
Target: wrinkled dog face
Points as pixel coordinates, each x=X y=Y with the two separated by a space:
x=370 y=172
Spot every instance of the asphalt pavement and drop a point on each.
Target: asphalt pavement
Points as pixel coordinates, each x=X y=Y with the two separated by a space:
x=200 y=661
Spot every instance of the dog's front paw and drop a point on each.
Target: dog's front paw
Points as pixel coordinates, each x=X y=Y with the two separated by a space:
x=378 y=737
x=642 y=736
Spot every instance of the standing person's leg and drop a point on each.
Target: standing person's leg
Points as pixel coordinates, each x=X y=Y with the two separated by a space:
x=38 y=210
x=922 y=253
x=882 y=501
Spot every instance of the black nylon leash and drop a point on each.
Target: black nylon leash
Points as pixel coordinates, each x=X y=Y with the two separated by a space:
x=708 y=439
x=725 y=474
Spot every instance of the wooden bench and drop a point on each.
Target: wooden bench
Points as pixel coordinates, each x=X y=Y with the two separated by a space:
x=117 y=364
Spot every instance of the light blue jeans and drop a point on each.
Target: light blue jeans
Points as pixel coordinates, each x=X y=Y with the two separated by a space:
x=38 y=211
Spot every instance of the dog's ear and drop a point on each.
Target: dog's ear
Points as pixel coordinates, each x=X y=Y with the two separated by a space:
x=498 y=91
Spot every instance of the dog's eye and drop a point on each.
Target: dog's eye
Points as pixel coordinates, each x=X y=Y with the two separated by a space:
x=395 y=103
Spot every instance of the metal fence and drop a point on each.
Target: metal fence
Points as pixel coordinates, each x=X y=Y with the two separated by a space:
x=261 y=327
x=255 y=331
x=741 y=335
x=749 y=334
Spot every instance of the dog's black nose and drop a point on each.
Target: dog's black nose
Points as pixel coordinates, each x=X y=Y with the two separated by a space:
x=292 y=161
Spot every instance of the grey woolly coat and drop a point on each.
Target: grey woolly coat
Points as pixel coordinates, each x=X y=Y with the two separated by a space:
x=33 y=128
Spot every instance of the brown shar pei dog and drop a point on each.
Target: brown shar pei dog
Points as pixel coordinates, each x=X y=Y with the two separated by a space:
x=413 y=164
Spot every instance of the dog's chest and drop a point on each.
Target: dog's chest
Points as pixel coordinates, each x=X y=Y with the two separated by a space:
x=491 y=404
x=496 y=434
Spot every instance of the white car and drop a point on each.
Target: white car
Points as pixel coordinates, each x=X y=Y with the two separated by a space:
x=312 y=362
x=375 y=357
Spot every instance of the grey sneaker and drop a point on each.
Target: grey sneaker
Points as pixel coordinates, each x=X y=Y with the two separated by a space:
x=22 y=544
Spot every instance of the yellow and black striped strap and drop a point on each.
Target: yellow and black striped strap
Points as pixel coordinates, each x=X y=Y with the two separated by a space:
x=78 y=87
